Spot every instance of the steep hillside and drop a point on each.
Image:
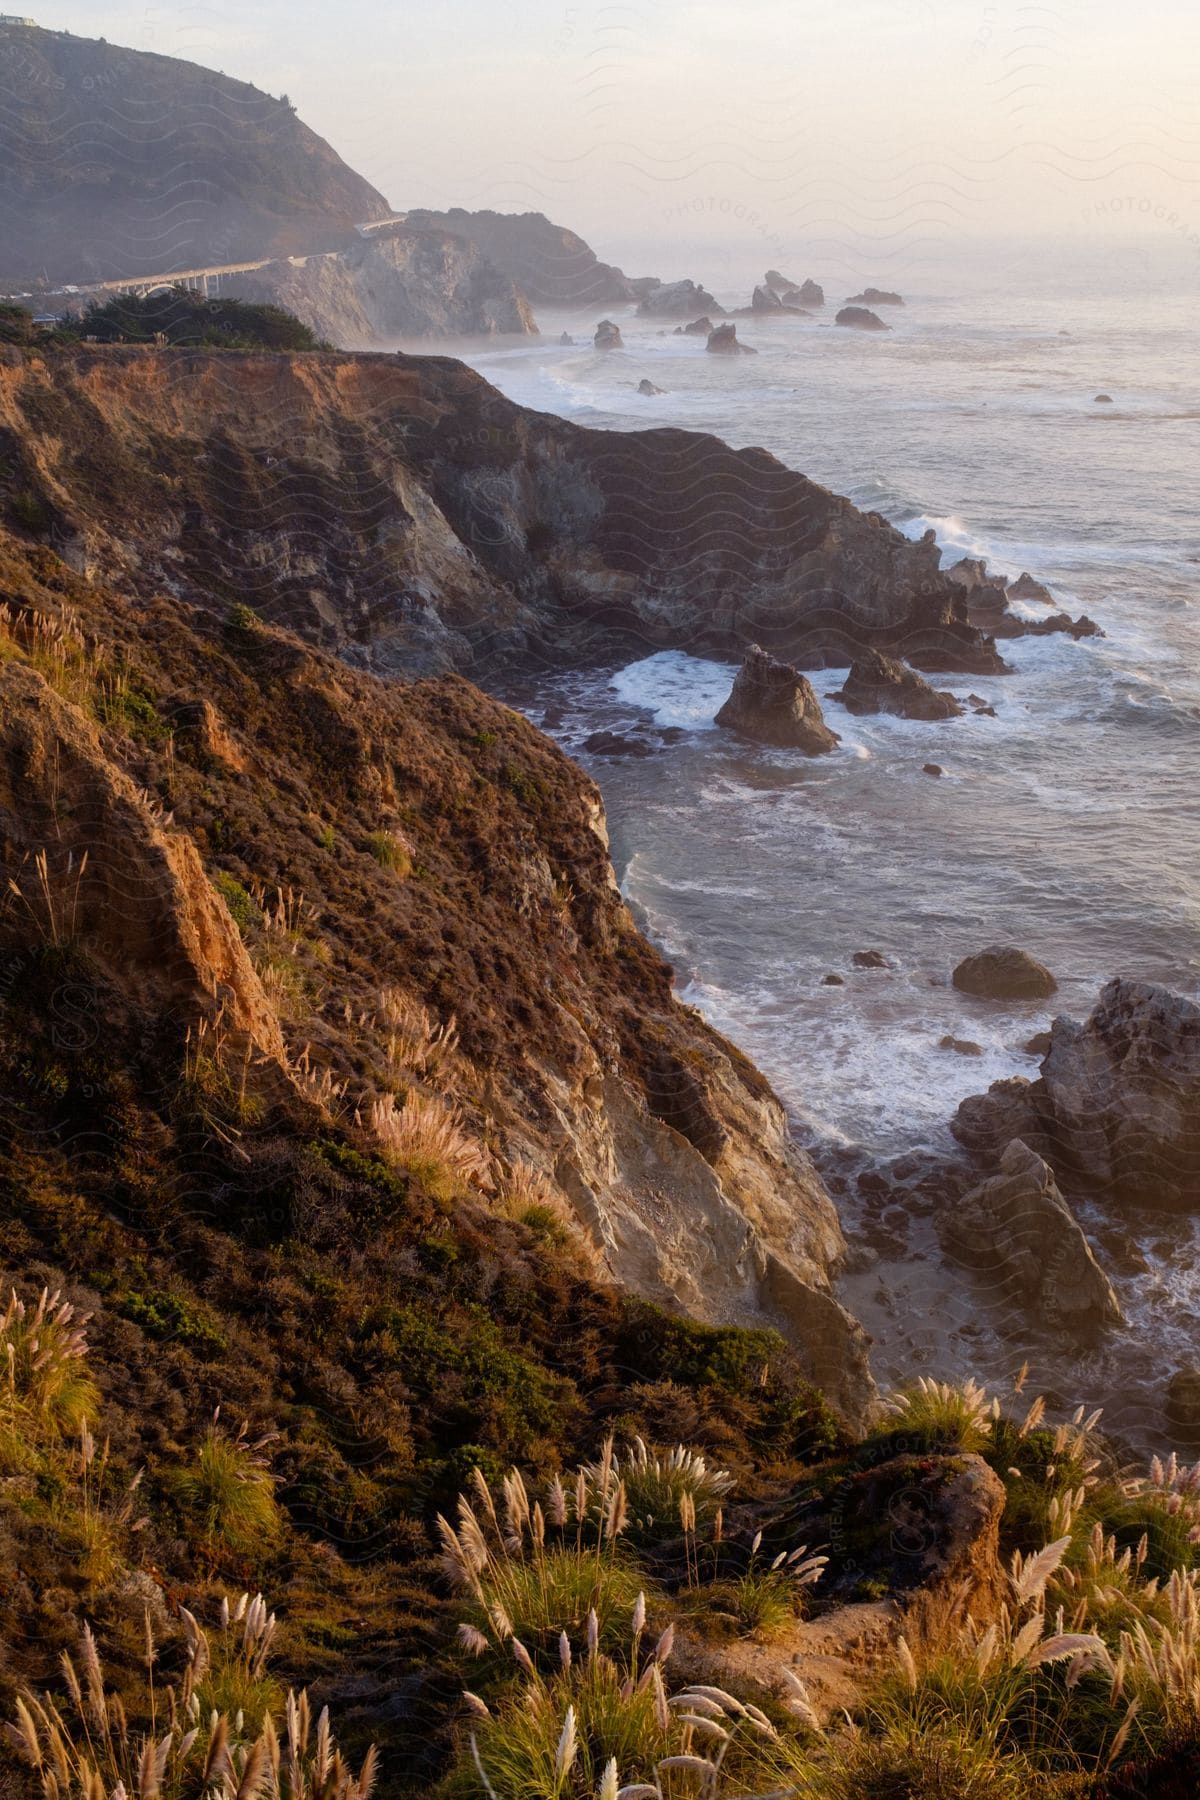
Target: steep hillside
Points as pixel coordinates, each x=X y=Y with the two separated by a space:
x=400 y=511
x=551 y=265
x=117 y=162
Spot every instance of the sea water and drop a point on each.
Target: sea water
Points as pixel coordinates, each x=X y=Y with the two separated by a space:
x=1066 y=824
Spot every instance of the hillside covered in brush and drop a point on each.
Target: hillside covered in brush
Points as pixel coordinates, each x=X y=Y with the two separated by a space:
x=409 y=1307
x=117 y=162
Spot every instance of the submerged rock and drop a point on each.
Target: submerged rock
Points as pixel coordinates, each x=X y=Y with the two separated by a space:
x=932 y=769
x=611 y=743
x=874 y=296
x=724 y=342
x=1018 y=1230
x=1103 y=400
x=960 y=1046
x=566 y=338
x=869 y=959
x=880 y=684
x=772 y=703
x=1002 y=972
x=608 y=336
x=647 y=387
x=698 y=328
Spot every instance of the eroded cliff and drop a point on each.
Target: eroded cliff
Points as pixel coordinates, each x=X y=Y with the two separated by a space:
x=395 y=851
x=399 y=510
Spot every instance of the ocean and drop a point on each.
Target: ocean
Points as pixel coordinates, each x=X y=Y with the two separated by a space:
x=1067 y=824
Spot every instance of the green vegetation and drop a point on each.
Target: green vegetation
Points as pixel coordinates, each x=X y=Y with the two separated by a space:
x=183 y=319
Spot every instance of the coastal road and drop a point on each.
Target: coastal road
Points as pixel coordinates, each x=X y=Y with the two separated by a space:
x=201 y=278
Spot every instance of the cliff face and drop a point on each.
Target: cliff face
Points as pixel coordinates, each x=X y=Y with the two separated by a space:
x=396 y=283
x=118 y=162
x=400 y=511
x=551 y=265
x=381 y=840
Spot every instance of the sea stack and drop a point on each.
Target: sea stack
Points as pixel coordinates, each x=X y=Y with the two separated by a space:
x=772 y=703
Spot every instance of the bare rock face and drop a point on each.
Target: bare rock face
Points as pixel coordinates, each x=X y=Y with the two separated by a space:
x=1116 y=1108
x=394 y=284
x=1002 y=972
x=608 y=336
x=874 y=296
x=879 y=684
x=860 y=318
x=774 y=704
x=678 y=300
x=1017 y=1231
x=702 y=327
x=724 y=342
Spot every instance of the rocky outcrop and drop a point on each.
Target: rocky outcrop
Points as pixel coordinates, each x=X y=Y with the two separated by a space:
x=678 y=300
x=647 y=387
x=1017 y=1231
x=874 y=296
x=1002 y=972
x=397 y=284
x=608 y=336
x=989 y=608
x=117 y=879
x=860 y=318
x=1030 y=590
x=724 y=341
x=702 y=327
x=772 y=703
x=766 y=300
x=550 y=265
x=1116 y=1108
x=399 y=510
x=879 y=684
x=808 y=294
x=946 y=1534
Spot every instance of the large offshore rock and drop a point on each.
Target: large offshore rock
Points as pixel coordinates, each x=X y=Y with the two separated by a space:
x=774 y=704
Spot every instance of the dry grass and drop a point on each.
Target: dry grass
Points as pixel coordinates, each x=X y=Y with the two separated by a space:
x=415 y=1043
x=46 y=1391
x=49 y=893
x=85 y=1749
x=427 y=1137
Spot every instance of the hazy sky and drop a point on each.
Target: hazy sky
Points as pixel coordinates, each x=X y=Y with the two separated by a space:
x=880 y=131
